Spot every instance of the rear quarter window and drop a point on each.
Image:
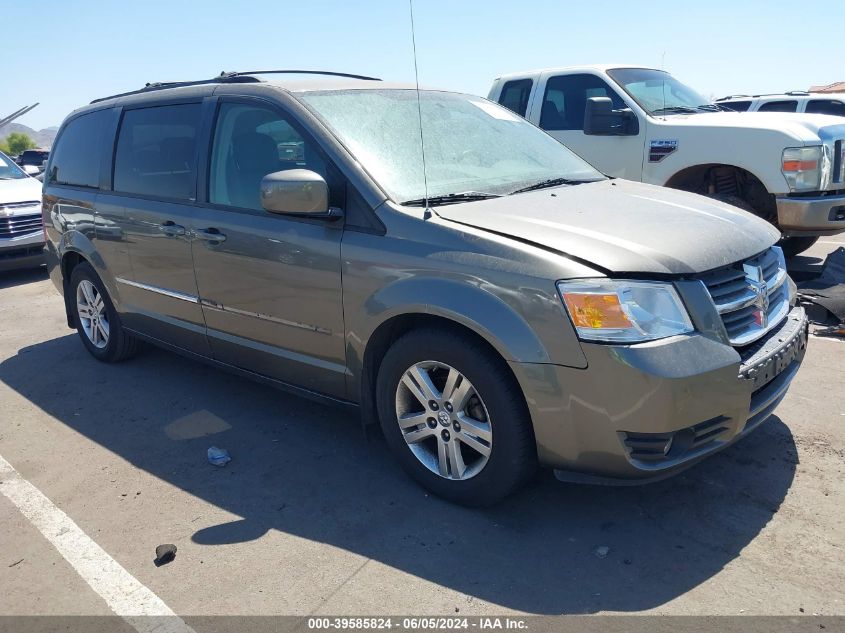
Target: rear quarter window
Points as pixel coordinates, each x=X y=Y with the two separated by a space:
x=76 y=153
x=826 y=106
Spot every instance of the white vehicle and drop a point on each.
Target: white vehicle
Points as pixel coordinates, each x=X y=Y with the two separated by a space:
x=643 y=124
x=795 y=101
x=21 y=228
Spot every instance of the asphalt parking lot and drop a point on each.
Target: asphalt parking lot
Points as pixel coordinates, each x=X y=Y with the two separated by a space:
x=312 y=518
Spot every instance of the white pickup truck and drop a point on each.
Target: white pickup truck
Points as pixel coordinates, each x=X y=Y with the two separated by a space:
x=643 y=124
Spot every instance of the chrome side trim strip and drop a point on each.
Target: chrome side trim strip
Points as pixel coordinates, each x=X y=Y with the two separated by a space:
x=264 y=317
x=157 y=290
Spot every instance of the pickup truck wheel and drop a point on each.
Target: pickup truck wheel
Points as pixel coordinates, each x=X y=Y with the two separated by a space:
x=454 y=417
x=96 y=319
x=793 y=246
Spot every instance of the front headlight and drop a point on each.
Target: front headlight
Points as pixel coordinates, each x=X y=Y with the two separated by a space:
x=621 y=311
x=802 y=167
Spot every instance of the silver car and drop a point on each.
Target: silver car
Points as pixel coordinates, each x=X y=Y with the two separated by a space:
x=430 y=259
x=21 y=230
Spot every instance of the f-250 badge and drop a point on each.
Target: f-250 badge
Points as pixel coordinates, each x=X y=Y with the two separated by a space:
x=660 y=149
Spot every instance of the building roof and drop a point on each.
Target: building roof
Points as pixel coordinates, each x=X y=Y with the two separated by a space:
x=838 y=86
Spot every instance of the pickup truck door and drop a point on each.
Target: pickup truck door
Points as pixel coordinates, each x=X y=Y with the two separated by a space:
x=558 y=108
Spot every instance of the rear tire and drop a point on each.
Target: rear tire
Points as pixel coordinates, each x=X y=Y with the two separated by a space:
x=473 y=442
x=96 y=319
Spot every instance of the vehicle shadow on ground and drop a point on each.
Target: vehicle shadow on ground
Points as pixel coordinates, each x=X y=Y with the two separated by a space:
x=307 y=470
x=14 y=278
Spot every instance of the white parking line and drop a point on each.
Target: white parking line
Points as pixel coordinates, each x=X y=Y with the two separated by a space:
x=124 y=594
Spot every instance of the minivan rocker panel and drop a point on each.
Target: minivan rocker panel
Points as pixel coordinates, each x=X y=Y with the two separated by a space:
x=614 y=331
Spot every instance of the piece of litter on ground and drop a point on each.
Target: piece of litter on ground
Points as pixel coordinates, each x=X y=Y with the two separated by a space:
x=602 y=551
x=17 y=562
x=164 y=554
x=218 y=456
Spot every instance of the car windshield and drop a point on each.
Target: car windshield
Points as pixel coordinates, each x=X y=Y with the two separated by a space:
x=473 y=148
x=659 y=92
x=8 y=169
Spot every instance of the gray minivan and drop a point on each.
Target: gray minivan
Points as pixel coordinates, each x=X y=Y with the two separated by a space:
x=431 y=258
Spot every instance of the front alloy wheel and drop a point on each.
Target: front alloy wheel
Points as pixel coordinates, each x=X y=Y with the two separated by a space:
x=439 y=393
x=443 y=420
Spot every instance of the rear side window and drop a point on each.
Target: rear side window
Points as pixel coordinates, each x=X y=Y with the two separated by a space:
x=738 y=106
x=156 y=152
x=515 y=95
x=76 y=155
x=826 y=106
x=779 y=106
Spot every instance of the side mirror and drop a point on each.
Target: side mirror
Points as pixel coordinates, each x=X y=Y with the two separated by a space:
x=600 y=119
x=296 y=192
x=31 y=170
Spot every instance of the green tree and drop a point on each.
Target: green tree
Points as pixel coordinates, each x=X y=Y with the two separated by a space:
x=16 y=143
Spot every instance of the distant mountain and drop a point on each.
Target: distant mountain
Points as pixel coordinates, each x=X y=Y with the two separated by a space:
x=44 y=138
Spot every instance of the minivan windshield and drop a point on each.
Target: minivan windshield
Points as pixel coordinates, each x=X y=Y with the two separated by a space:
x=8 y=169
x=473 y=148
x=660 y=93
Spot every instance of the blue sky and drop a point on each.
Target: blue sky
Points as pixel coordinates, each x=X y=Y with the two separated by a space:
x=82 y=49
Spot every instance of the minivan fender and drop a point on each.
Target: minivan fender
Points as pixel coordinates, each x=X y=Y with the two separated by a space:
x=76 y=242
x=495 y=314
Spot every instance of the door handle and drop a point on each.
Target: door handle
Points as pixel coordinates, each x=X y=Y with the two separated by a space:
x=211 y=235
x=171 y=229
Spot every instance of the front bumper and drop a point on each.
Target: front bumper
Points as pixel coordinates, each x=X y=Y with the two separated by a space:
x=818 y=215
x=647 y=411
x=25 y=251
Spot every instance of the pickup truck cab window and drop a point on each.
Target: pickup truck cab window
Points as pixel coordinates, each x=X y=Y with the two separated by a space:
x=515 y=95
x=566 y=97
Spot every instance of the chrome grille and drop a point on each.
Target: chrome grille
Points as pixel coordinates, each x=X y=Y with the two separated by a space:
x=752 y=296
x=18 y=225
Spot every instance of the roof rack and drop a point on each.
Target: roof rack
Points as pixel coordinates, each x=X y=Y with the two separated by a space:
x=231 y=77
x=329 y=73
x=791 y=93
x=733 y=97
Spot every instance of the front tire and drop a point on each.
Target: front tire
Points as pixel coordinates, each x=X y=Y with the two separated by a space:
x=96 y=319
x=455 y=417
x=793 y=246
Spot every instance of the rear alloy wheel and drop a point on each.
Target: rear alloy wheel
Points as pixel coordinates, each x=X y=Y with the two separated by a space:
x=455 y=417
x=95 y=317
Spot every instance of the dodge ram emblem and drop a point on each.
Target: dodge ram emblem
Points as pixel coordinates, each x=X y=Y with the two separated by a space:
x=756 y=282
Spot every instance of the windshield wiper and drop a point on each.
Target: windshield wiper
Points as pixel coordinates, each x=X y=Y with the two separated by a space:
x=713 y=107
x=451 y=198
x=675 y=110
x=551 y=182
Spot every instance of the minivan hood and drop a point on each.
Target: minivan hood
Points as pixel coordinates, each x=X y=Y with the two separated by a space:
x=20 y=190
x=625 y=227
